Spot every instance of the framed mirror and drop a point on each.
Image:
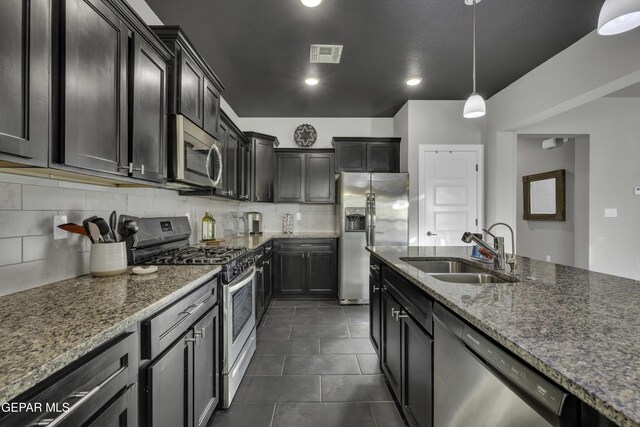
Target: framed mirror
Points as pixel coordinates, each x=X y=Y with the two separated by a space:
x=544 y=196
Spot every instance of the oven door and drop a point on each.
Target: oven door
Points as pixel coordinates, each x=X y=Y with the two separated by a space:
x=196 y=157
x=239 y=316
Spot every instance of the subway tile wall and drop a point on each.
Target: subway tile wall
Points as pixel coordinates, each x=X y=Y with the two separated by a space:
x=30 y=257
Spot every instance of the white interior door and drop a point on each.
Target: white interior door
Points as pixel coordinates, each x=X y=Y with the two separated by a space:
x=451 y=193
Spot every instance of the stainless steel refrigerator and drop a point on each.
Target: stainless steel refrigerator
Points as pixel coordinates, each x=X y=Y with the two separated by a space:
x=372 y=210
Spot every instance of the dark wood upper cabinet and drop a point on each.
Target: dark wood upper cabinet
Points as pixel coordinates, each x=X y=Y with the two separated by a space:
x=367 y=154
x=262 y=166
x=320 y=178
x=25 y=61
x=149 y=113
x=94 y=88
x=194 y=89
x=211 y=113
x=289 y=183
x=305 y=176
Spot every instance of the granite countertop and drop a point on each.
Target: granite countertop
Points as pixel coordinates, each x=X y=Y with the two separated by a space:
x=578 y=327
x=255 y=241
x=45 y=329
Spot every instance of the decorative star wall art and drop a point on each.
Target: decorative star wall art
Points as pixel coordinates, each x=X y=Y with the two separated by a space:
x=305 y=135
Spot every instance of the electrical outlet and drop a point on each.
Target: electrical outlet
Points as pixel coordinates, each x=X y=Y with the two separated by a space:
x=610 y=212
x=59 y=233
x=636 y=191
x=548 y=258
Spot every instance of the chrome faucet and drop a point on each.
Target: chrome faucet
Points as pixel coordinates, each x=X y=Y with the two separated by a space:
x=499 y=257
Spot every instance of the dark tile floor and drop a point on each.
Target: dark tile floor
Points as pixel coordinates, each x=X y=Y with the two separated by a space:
x=314 y=367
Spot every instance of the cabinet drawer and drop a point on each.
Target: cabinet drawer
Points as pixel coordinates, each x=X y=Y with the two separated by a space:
x=305 y=245
x=169 y=324
x=375 y=268
x=84 y=388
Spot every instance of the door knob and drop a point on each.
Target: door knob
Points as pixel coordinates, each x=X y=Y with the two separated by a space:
x=431 y=234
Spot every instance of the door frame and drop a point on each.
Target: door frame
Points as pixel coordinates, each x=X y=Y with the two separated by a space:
x=424 y=148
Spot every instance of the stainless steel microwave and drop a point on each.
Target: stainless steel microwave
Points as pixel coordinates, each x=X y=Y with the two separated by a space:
x=195 y=157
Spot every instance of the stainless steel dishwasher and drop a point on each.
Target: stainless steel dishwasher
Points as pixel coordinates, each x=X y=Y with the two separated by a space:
x=477 y=383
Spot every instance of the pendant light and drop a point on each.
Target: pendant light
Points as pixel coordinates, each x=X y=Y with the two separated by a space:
x=618 y=16
x=474 y=107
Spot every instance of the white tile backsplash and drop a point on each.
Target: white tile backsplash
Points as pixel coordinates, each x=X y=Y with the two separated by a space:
x=30 y=257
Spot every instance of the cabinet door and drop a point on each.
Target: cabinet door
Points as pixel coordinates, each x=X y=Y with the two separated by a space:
x=149 y=109
x=351 y=157
x=268 y=280
x=206 y=367
x=170 y=384
x=231 y=148
x=25 y=32
x=263 y=170
x=320 y=178
x=211 y=108
x=246 y=172
x=391 y=349
x=321 y=273
x=290 y=177
x=259 y=284
x=417 y=386
x=375 y=320
x=290 y=273
x=191 y=90
x=95 y=88
x=383 y=157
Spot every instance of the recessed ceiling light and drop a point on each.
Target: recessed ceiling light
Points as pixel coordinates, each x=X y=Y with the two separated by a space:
x=311 y=3
x=311 y=81
x=414 y=81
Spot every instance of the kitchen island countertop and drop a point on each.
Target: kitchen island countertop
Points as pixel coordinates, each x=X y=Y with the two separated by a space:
x=578 y=327
x=44 y=329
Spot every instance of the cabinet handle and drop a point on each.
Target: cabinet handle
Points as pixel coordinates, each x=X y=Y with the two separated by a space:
x=400 y=314
x=306 y=245
x=84 y=397
x=393 y=312
x=375 y=288
x=131 y=169
x=199 y=333
x=194 y=308
x=267 y=262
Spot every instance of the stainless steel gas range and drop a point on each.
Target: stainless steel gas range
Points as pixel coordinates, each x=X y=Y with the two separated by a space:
x=165 y=241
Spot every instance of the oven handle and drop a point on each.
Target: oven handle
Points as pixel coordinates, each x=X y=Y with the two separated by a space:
x=242 y=280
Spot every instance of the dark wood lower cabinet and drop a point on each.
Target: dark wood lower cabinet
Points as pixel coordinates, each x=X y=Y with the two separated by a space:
x=417 y=383
x=375 y=316
x=400 y=332
x=170 y=376
x=183 y=383
x=305 y=267
x=391 y=349
x=263 y=281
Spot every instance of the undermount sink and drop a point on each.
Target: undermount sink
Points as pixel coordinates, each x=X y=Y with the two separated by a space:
x=475 y=278
x=456 y=272
x=443 y=266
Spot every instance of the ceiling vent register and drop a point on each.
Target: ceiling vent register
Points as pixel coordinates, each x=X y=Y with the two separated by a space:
x=325 y=53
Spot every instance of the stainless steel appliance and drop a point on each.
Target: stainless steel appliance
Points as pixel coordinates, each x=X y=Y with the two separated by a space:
x=254 y=222
x=478 y=383
x=372 y=209
x=166 y=241
x=195 y=157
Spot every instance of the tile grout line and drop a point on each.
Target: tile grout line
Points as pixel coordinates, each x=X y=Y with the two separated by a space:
x=284 y=361
x=375 y=423
x=358 y=363
x=273 y=414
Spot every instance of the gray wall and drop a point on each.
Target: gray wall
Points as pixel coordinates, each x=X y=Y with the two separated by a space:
x=557 y=239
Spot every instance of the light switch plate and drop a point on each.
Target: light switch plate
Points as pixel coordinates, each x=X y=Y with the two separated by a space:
x=636 y=191
x=59 y=233
x=610 y=212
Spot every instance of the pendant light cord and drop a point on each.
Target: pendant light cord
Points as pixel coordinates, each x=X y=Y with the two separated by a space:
x=474 y=46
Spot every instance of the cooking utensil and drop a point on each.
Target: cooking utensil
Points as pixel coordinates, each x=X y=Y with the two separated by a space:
x=85 y=224
x=129 y=228
x=105 y=231
x=112 y=224
x=73 y=228
x=94 y=232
